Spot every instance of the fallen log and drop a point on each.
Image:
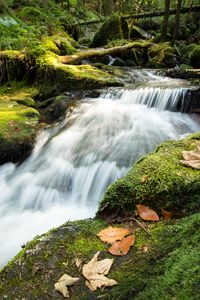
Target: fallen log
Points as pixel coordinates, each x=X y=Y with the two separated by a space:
x=93 y=53
x=144 y=15
x=183 y=10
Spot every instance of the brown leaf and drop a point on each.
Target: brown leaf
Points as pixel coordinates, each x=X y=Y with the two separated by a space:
x=122 y=247
x=94 y=272
x=147 y=213
x=143 y=179
x=167 y=215
x=112 y=234
x=78 y=262
x=192 y=158
x=63 y=282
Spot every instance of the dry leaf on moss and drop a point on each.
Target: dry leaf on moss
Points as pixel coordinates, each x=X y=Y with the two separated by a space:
x=112 y=234
x=78 y=263
x=147 y=213
x=192 y=158
x=167 y=215
x=122 y=247
x=94 y=272
x=63 y=282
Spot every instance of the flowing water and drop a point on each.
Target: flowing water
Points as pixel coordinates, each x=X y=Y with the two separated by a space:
x=74 y=162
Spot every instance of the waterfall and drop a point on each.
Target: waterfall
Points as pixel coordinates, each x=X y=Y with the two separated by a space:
x=74 y=162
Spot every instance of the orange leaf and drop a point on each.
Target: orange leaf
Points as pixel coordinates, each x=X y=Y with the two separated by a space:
x=167 y=215
x=122 y=247
x=112 y=234
x=147 y=213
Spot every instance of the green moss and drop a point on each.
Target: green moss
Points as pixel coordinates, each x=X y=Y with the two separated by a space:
x=170 y=268
x=195 y=57
x=18 y=121
x=161 y=55
x=117 y=42
x=169 y=184
x=49 y=45
x=65 y=44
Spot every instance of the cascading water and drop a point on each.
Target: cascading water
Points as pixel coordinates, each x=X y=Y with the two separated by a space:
x=72 y=164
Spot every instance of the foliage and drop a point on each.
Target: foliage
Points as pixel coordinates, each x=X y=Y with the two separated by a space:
x=195 y=57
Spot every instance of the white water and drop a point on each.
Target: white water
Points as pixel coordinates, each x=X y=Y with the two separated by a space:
x=72 y=164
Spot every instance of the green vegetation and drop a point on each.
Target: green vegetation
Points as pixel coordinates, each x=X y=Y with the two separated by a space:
x=195 y=57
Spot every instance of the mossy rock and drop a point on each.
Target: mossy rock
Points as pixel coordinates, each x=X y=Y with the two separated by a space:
x=169 y=269
x=18 y=122
x=195 y=57
x=159 y=180
x=71 y=77
x=17 y=131
x=138 y=33
x=161 y=55
x=112 y=29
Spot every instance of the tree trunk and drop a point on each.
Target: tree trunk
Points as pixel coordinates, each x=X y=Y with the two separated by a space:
x=177 y=21
x=165 y=20
x=108 y=7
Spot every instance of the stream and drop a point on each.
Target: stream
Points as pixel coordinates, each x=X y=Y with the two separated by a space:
x=74 y=162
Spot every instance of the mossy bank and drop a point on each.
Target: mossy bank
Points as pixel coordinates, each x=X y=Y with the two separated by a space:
x=168 y=269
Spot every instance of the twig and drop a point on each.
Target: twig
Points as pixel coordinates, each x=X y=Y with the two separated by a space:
x=138 y=222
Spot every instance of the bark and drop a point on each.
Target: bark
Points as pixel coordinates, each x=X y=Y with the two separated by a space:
x=108 y=7
x=177 y=21
x=165 y=20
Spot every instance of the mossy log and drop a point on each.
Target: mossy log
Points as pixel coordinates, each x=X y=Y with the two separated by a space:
x=95 y=53
x=184 y=10
x=159 y=180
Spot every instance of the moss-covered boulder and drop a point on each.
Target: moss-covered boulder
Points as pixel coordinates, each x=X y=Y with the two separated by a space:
x=113 y=28
x=195 y=57
x=161 y=55
x=18 y=122
x=70 y=77
x=158 y=180
x=169 y=268
x=138 y=33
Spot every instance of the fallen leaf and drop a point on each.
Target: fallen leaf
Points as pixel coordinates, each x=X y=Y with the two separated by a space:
x=78 y=262
x=192 y=158
x=63 y=282
x=94 y=272
x=122 y=247
x=112 y=234
x=167 y=215
x=143 y=179
x=147 y=213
